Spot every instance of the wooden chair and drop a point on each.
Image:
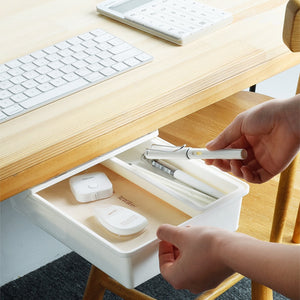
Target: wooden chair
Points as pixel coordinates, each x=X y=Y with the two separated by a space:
x=205 y=125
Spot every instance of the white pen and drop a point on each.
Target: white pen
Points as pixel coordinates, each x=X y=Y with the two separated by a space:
x=185 y=178
x=169 y=152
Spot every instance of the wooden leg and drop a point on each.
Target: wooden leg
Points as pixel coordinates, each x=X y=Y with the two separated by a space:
x=284 y=194
x=98 y=282
x=261 y=292
x=220 y=289
x=94 y=289
x=296 y=235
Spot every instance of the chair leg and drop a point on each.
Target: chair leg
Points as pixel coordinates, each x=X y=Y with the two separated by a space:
x=284 y=194
x=98 y=282
x=296 y=235
x=260 y=292
x=94 y=290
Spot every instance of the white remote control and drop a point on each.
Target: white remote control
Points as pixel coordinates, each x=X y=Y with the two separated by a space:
x=120 y=220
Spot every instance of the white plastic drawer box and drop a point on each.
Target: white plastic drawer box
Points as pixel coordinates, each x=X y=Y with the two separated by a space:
x=131 y=260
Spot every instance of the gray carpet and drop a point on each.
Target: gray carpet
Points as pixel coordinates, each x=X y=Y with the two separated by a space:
x=65 y=279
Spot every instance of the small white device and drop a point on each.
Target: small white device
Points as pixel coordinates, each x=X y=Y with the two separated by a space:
x=178 y=21
x=120 y=220
x=91 y=186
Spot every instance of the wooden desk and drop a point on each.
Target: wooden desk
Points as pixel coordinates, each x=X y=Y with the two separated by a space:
x=77 y=128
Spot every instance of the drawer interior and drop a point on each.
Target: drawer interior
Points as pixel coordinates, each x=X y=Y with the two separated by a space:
x=126 y=194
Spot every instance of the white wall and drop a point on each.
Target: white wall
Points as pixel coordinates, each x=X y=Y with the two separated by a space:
x=24 y=247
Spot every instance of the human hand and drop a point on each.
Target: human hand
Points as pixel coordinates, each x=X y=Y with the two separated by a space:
x=270 y=132
x=189 y=259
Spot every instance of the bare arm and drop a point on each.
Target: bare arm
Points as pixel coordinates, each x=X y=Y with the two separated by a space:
x=199 y=258
x=274 y=265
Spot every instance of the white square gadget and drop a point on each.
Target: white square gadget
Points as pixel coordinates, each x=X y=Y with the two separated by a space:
x=178 y=21
x=120 y=220
x=91 y=186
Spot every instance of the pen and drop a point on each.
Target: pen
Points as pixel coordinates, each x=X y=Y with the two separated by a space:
x=190 y=194
x=167 y=152
x=184 y=177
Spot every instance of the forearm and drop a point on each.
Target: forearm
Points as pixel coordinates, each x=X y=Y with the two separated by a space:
x=274 y=265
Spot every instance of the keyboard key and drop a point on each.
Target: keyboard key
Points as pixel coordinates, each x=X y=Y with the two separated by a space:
x=4 y=76
x=32 y=92
x=6 y=103
x=45 y=87
x=53 y=94
x=5 y=84
x=62 y=45
x=31 y=74
x=58 y=81
x=13 y=64
x=18 y=79
x=131 y=62
x=127 y=54
x=108 y=71
x=56 y=65
x=30 y=84
x=70 y=77
x=2 y=116
x=15 y=71
x=12 y=110
x=86 y=36
x=5 y=94
x=42 y=78
x=55 y=74
x=51 y=50
x=83 y=72
x=120 y=67
x=93 y=77
x=39 y=54
x=3 y=68
x=41 y=62
x=53 y=57
x=44 y=70
x=16 y=89
x=19 y=97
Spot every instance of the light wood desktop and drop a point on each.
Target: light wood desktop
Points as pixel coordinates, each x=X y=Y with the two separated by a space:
x=180 y=80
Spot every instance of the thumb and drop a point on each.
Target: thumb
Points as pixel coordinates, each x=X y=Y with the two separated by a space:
x=170 y=234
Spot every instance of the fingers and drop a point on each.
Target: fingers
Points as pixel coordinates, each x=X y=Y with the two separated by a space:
x=168 y=253
x=167 y=256
x=170 y=233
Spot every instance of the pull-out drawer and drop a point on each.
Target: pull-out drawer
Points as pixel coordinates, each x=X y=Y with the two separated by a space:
x=130 y=259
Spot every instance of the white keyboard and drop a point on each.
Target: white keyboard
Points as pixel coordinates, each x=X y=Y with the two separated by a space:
x=178 y=21
x=41 y=77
